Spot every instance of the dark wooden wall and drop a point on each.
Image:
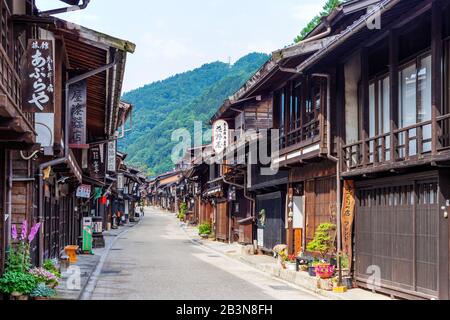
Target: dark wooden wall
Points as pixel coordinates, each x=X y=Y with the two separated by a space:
x=23 y=196
x=222 y=221
x=242 y=232
x=2 y=206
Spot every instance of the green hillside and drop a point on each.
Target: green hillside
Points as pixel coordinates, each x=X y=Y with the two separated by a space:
x=177 y=102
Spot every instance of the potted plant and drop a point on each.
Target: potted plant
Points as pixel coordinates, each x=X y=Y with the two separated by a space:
x=324 y=244
x=291 y=263
x=17 y=280
x=205 y=230
x=42 y=292
x=51 y=266
x=183 y=211
x=46 y=277
x=17 y=284
x=312 y=268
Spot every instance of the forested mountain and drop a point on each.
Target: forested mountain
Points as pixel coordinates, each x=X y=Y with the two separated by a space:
x=177 y=102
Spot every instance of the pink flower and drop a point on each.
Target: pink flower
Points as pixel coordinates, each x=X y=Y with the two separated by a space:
x=14 y=232
x=23 y=236
x=33 y=232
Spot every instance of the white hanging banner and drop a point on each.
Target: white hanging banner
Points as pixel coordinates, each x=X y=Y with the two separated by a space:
x=112 y=156
x=221 y=136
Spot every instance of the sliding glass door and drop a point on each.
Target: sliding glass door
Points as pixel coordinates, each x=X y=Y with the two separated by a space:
x=415 y=106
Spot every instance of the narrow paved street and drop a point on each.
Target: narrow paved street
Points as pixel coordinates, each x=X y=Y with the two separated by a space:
x=157 y=260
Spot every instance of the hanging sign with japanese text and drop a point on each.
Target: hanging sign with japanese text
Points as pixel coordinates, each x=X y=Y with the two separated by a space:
x=96 y=162
x=77 y=100
x=220 y=136
x=112 y=156
x=348 y=217
x=40 y=77
x=84 y=191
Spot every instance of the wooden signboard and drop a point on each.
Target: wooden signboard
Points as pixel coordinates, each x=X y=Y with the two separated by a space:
x=96 y=162
x=220 y=136
x=39 y=83
x=348 y=217
x=84 y=191
x=112 y=156
x=77 y=100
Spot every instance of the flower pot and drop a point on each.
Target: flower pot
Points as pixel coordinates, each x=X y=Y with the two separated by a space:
x=19 y=296
x=312 y=271
x=304 y=268
x=291 y=266
x=41 y=298
x=325 y=271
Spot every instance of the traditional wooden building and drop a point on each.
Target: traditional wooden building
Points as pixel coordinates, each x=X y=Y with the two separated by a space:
x=73 y=110
x=166 y=195
x=17 y=125
x=394 y=120
x=361 y=102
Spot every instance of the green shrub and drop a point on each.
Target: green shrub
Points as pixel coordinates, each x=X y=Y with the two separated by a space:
x=205 y=229
x=42 y=291
x=324 y=240
x=16 y=281
x=50 y=266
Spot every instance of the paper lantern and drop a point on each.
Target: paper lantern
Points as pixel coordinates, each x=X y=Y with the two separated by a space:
x=103 y=200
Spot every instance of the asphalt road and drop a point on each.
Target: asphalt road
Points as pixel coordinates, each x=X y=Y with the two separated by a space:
x=156 y=261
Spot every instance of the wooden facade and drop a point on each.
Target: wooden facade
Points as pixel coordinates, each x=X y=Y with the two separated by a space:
x=32 y=143
x=364 y=105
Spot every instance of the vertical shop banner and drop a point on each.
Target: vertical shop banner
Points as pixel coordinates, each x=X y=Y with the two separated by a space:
x=348 y=217
x=112 y=156
x=96 y=163
x=77 y=100
x=39 y=84
x=220 y=136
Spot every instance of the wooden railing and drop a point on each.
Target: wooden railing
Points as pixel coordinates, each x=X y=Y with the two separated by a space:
x=11 y=52
x=297 y=136
x=409 y=143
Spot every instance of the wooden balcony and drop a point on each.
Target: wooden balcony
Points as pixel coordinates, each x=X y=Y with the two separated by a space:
x=302 y=143
x=406 y=147
x=16 y=126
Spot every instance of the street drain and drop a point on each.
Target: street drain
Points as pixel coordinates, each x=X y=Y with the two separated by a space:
x=116 y=249
x=282 y=288
x=213 y=256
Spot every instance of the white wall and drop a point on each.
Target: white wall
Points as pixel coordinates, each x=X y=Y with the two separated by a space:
x=352 y=78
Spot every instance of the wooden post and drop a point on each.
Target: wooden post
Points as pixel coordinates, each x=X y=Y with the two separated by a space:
x=365 y=120
x=394 y=90
x=436 y=55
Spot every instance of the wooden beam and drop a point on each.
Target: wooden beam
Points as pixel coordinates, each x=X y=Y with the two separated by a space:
x=437 y=71
x=394 y=90
x=365 y=117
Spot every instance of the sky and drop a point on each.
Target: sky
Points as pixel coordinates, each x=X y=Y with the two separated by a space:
x=174 y=36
